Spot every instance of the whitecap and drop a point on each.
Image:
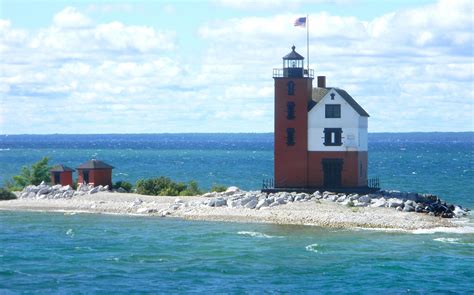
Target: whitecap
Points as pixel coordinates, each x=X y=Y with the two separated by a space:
x=453 y=230
x=448 y=240
x=312 y=248
x=70 y=232
x=257 y=234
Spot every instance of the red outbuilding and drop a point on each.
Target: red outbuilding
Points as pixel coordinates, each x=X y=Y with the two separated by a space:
x=95 y=172
x=62 y=175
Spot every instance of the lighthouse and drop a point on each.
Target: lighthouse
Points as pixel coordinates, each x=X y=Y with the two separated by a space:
x=320 y=133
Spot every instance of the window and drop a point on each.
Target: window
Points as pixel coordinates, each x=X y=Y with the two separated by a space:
x=290 y=136
x=332 y=136
x=290 y=110
x=291 y=88
x=333 y=111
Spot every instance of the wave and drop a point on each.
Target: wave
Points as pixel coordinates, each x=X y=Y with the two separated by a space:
x=312 y=248
x=257 y=234
x=452 y=230
x=448 y=240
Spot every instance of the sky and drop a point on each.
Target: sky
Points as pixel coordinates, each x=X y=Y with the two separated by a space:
x=206 y=66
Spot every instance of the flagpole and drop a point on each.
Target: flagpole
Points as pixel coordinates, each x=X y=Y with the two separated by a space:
x=307 y=41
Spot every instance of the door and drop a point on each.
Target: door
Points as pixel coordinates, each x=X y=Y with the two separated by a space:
x=332 y=172
x=85 y=176
x=57 y=178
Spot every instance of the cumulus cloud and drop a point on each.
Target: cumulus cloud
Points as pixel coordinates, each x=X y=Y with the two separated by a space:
x=414 y=64
x=411 y=69
x=71 y=18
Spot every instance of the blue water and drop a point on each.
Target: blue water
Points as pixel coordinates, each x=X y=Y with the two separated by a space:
x=56 y=253
x=439 y=163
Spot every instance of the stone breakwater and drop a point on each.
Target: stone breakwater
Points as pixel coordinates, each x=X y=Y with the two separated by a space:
x=44 y=191
x=235 y=198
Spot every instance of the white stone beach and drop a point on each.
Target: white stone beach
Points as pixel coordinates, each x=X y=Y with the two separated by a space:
x=237 y=206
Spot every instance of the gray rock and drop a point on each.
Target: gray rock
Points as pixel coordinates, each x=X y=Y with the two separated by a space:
x=234 y=203
x=261 y=203
x=231 y=190
x=394 y=202
x=251 y=204
x=341 y=199
x=408 y=208
x=220 y=202
x=94 y=190
x=121 y=190
x=379 y=203
x=364 y=199
x=332 y=198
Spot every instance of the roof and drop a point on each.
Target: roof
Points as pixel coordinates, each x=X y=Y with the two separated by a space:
x=352 y=102
x=95 y=164
x=61 y=168
x=293 y=54
x=319 y=93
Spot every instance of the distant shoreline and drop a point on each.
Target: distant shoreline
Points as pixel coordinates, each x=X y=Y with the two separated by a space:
x=224 y=133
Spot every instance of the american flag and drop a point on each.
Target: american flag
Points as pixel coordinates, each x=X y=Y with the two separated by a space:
x=300 y=22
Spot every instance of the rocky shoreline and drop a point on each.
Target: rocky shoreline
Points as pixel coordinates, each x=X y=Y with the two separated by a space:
x=406 y=202
x=389 y=210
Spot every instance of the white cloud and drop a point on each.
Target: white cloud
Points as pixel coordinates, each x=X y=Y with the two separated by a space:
x=412 y=70
x=71 y=18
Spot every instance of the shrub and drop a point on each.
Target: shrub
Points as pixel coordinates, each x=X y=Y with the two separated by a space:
x=218 y=188
x=6 y=194
x=163 y=186
x=127 y=186
x=38 y=172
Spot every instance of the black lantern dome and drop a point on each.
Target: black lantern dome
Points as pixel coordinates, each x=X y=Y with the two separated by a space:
x=293 y=64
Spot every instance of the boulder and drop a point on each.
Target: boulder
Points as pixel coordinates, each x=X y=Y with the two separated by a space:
x=261 y=203
x=232 y=190
x=379 y=203
x=94 y=190
x=332 y=198
x=251 y=204
x=394 y=202
x=234 y=203
x=121 y=190
x=341 y=199
x=408 y=208
x=364 y=199
x=219 y=202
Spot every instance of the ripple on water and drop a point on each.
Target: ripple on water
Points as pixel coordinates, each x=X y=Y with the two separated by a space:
x=257 y=234
x=312 y=248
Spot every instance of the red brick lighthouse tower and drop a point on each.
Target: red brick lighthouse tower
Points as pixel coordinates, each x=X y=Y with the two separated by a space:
x=320 y=133
x=293 y=89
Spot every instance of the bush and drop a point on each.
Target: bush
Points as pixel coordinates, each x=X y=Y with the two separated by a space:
x=163 y=186
x=127 y=186
x=38 y=173
x=6 y=194
x=218 y=188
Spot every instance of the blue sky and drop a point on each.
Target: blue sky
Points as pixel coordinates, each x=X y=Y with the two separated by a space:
x=206 y=66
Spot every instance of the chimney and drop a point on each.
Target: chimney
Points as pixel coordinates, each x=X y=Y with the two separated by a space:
x=321 y=81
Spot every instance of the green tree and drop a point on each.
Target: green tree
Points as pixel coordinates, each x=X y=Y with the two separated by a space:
x=6 y=194
x=38 y=172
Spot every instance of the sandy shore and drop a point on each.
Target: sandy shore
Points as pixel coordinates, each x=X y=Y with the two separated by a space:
x=316 y=212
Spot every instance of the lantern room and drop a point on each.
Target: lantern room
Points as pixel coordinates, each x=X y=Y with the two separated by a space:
x=293 y=64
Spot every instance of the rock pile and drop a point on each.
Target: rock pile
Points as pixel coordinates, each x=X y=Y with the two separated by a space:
x=235 y=198
x=44 y=191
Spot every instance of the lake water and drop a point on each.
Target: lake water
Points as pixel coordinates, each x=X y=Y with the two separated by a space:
x=57 y=253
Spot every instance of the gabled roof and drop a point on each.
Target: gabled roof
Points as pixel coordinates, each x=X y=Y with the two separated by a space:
x=316 y=97
x=95 y=164
x=61 y=168
x=293 y=54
